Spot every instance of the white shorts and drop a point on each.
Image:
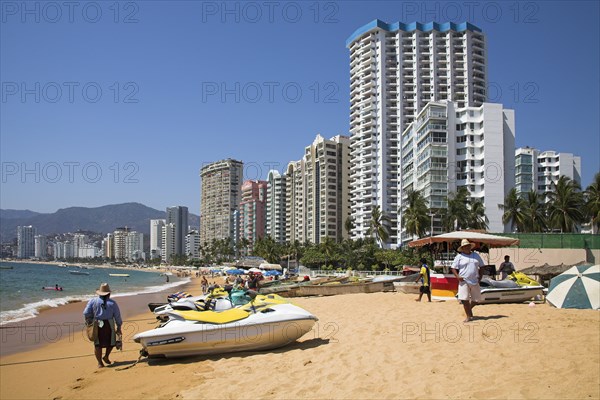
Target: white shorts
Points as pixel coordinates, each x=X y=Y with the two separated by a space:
x=469 y=292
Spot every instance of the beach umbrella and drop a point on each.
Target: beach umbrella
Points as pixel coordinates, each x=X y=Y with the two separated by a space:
x=255 y=270
x=272 y=273
x=235 y=272
x=577 y=287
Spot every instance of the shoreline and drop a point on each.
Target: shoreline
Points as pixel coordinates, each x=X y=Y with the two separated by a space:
x=160 y=269
x=52 y=324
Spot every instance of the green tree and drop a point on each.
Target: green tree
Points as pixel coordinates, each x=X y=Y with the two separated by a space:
x=379 y=226
x=456 y=216
x=415 y=218
x=513 y=212
x=592 y=203
x=477 y=218
x=565 y=204
x=534 y=212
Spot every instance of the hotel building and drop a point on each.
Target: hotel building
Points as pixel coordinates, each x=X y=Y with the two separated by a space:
x=220 y=198
x=395 y=71
x=448 y=147
x=276 y=206
x=26 y=241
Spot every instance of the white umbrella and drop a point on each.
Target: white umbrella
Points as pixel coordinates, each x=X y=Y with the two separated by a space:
x=255 y=270
x=577 y=287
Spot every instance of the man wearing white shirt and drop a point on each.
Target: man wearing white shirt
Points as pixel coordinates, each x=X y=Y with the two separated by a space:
x=466 y=268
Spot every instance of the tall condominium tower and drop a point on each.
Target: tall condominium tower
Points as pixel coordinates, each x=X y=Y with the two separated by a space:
x=252 y=210
x=295 y=221
x=326 y=176
x=41 y=246
x=26 y=241
x=449 y=147
x=276 y=206
x=220 y=198
x=178 y=216
x=395 y=70
x=156 y=230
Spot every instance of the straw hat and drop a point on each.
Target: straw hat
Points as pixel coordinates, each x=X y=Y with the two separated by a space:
x=103 y=290
x=465 y=243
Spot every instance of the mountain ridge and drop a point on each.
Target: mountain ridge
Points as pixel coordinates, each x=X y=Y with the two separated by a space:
x=102 y=219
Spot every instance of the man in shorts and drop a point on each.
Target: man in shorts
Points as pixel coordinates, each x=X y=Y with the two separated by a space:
x=466 y=268
x=424 y=276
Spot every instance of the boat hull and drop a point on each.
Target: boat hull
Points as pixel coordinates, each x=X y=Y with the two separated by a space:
x=444 y=285
x=260 y=331
x=510 y=295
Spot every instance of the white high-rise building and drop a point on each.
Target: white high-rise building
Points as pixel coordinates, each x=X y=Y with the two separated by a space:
x=168 y=242
x=41 y=246
x=79 y=240
x=156 y=227
x=275 y=210
x=552 y=165
x=134 y=246
x=395 y=70
x=119 y=243
x=539 y=170
x=326 y=182
x=448 y=147
x=295 y=220
x=192 y=244
x=26 y=241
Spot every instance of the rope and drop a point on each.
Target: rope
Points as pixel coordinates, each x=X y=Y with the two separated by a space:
x=132 y=365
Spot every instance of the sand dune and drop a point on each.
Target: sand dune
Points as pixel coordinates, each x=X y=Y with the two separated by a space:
x=382 y=345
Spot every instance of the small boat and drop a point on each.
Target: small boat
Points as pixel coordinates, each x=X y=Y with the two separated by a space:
x=5 y=267
x=266 y=323
x=59 y=289
x=62 y=265
x=122 y=275
x=73 y=272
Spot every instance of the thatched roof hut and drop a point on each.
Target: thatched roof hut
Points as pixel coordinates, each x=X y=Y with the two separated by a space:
x=544 y=273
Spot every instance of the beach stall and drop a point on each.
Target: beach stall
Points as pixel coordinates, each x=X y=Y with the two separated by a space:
x=446 y=285
x=577 y=287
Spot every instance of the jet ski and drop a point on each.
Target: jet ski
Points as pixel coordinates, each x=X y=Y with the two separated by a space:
x=507 y=291
x=267 y=322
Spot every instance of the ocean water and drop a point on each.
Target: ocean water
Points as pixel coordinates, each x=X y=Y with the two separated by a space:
x=22 y=295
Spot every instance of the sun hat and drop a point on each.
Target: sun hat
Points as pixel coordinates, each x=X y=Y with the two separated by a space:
x=103 y=290
x=465 y=243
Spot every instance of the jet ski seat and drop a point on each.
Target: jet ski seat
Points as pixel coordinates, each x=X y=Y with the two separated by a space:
x=213 y=317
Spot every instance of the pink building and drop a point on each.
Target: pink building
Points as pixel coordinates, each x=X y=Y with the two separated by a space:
x=252 y=210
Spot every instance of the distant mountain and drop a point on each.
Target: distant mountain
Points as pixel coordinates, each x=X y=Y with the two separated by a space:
x=10 y=214
x=99 y=219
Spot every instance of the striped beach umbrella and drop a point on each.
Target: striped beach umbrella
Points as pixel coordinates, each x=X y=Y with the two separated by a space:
x=577 y=287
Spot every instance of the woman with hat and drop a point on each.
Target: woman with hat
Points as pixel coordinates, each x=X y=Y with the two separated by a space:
x=106 y=313
x=466 y=268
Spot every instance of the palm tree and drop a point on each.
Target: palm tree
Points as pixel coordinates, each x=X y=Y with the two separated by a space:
x=379 y=226
x=534 y=212
x=456 y=216
x=415 y=218
x=513 y=212
x=565 y=204
x=328 y=247
x=477 y=218
x=592 y=203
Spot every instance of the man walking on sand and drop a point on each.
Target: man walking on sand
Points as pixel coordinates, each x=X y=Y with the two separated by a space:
x=466 y=268
x=424 y=275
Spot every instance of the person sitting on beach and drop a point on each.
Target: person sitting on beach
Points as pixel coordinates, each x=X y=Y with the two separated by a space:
x=506 y=268
x=424 y=276
x=466 y=267
x=105 y=312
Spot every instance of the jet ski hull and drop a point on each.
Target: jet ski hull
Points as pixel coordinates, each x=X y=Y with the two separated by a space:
x=267 y=329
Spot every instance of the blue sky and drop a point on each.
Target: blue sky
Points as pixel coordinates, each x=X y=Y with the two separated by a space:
x=106 y=102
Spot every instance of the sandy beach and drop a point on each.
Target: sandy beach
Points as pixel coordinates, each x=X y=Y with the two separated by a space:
x=381 y=345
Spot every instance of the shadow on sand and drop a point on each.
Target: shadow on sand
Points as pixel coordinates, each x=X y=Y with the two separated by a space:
x=305 y=345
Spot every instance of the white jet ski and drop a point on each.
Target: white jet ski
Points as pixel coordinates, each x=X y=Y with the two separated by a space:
x=267 y=322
